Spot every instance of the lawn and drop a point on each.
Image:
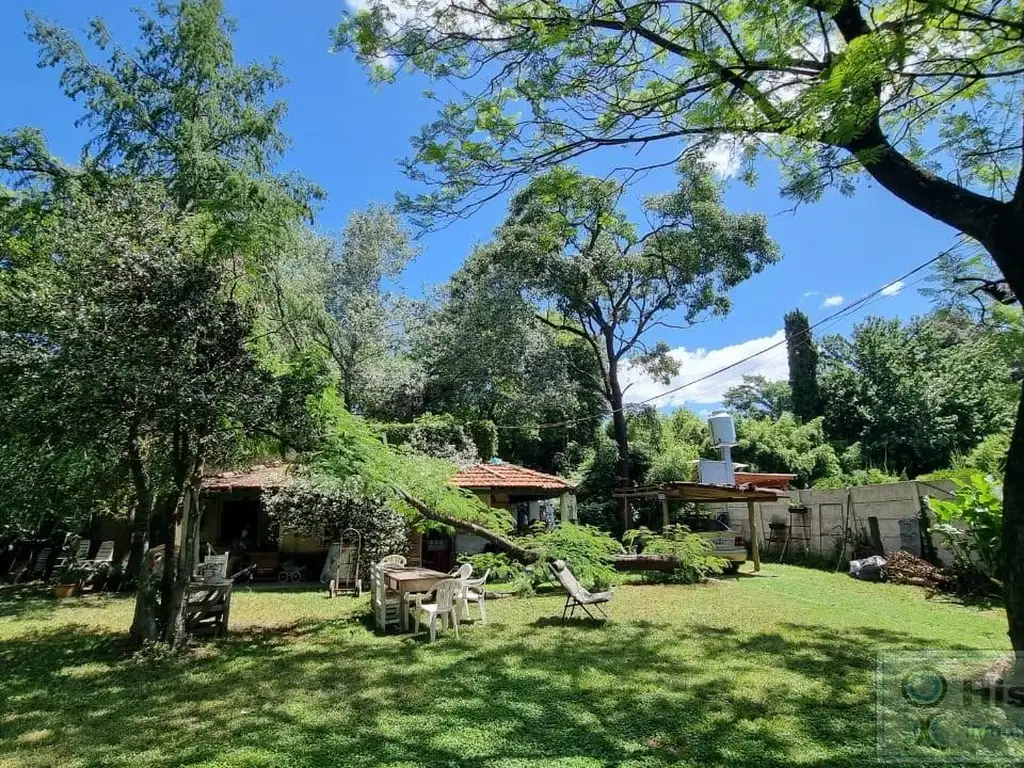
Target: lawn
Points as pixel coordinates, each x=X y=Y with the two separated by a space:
x=747 y=671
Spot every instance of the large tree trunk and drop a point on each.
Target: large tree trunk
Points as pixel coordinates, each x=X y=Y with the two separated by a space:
x=1013 y=534
x=144 y=621
x=179 y=556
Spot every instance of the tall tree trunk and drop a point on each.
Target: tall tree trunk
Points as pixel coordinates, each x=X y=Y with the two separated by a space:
x=619 y=426
x=178 y=576
x=1008 y=253
x=144 y=621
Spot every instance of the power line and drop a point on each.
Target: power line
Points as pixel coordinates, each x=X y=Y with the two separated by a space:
x=858 y=304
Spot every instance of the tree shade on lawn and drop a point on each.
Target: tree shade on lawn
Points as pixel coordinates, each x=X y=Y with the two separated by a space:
x=765 y=671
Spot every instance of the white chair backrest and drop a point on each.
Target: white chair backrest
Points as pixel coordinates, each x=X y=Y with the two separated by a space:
x=82 y=549
x=105 y=553
x=446 y=592
x=393 y=560
x=463 y=572
x=479 y=582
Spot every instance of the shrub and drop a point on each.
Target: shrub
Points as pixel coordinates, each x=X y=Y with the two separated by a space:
x=692 y=552
x=978 y=507
x=502 y=568
x=588 y=551
x=315 y=511
x=440 y=436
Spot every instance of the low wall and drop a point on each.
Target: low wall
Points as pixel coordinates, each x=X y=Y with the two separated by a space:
x=830 y=511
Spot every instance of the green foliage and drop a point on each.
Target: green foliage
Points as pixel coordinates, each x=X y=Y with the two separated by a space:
x=871 y=476
x=803 y=367
x=587 y=550
x=484 y=435
x=916 y=394
x=970 y=525
x=692 y=552
x=826 y=92
x=759 y=397
x=323 y=511
x=440 y=436
x=502 y=568
x=787 y=446
x=989 y=456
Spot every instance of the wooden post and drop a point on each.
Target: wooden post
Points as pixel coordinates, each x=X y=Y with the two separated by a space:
x=753 y=536
x=664 y=512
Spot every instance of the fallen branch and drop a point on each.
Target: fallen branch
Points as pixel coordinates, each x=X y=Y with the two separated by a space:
x=500 y=542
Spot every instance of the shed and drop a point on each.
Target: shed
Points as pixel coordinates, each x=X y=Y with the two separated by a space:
x=707 y=493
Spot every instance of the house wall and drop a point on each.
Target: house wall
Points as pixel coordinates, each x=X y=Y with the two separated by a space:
x=832 y=510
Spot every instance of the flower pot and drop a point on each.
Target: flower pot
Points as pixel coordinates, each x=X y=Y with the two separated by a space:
x=64 y=590
x=778 y=526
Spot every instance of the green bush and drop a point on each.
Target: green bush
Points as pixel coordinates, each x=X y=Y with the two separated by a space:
x=589 y=552
x=978 y=508
x=857 y=477
x=440 y=436
x=503 y=569
x=693 y=553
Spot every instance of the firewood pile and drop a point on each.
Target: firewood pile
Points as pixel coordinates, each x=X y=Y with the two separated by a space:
x=904 y=568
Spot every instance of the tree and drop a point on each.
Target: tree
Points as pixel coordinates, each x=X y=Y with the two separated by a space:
x=786 y=445
x=759 y=398
x=915 y=394
x=360 y=324
x=590 y=273
x=803 y=366
x=487 y=359
x=179 y=113
x=922 y=97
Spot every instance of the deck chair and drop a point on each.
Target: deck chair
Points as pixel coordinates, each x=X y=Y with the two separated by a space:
x=105 y=554
x=80 y=553
x=213 y=567
x=399 y=560
x=38 y=569
x=576 y=596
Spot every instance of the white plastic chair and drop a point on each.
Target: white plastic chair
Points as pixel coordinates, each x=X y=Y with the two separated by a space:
x=385 y=606
x=446 y=595
x=473 y=589
x=399 y=560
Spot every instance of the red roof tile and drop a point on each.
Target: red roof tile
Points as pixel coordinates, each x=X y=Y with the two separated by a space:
x=507 y=476
x=260 y=476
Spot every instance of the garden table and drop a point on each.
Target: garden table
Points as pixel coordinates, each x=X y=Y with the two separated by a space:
x=407 y=580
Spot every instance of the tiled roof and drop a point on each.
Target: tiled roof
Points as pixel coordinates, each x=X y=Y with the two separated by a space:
x=259 y=476
x=776 y=480
x=507 y=476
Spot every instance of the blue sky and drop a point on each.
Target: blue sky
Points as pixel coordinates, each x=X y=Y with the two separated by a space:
x=348 y=135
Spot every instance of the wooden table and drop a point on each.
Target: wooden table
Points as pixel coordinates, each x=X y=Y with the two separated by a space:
x=406 y=581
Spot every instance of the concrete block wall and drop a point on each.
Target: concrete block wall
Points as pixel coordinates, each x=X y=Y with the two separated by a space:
x=831 y=509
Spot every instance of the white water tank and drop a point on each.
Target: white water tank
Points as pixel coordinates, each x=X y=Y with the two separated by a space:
x=723 y=431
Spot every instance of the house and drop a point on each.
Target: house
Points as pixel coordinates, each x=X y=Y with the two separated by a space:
x=235 y=517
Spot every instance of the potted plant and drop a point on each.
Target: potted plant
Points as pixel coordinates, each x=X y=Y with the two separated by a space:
x=68 y=577
x=778 y=523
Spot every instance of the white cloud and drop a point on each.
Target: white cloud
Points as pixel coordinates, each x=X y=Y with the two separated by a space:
x=833 y=301
x=698 y=363
x=808 y=294
x=893 y=289
x=724 y=156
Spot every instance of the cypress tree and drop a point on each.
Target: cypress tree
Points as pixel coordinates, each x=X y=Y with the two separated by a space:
x=803 y=366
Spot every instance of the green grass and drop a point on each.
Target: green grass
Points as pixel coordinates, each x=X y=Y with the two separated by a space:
x=747 y=671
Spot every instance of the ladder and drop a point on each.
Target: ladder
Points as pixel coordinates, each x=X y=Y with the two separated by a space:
x=799 y=529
